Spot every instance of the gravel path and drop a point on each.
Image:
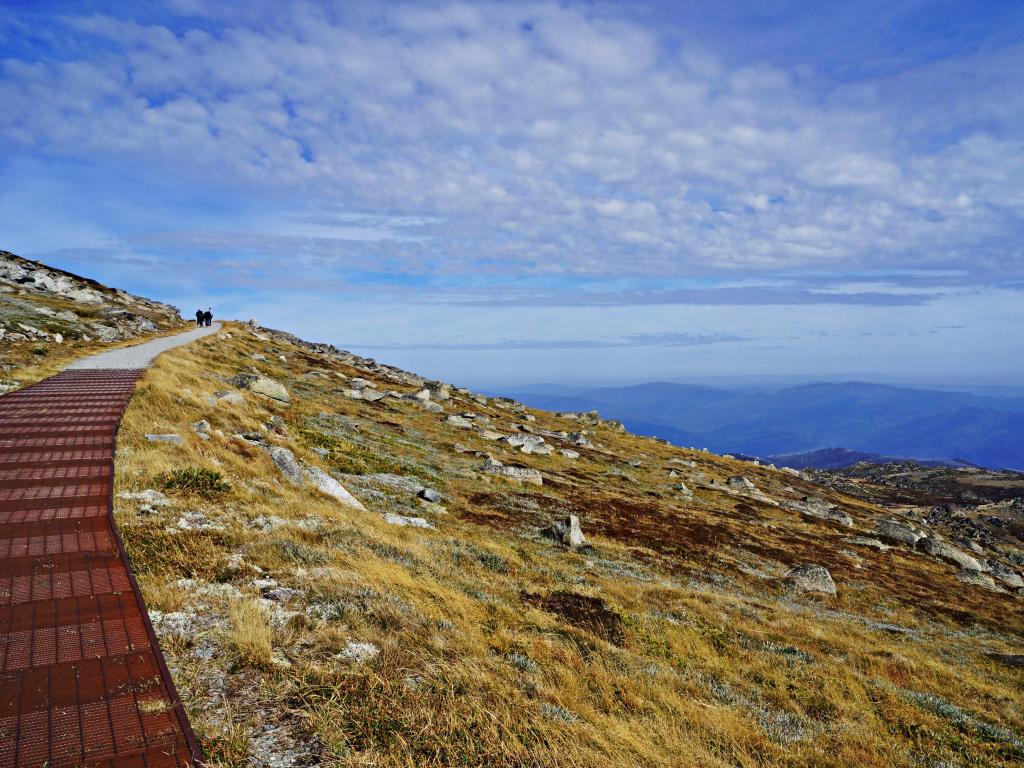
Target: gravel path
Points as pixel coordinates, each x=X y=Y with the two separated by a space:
x=141 y=355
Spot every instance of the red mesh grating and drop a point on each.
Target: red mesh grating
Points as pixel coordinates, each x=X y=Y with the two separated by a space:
x=82 y=679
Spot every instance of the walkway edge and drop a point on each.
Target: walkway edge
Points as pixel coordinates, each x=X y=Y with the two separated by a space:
x=165 y=672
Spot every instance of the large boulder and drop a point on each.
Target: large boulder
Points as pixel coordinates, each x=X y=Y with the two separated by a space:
x=812 y=578
x=821 y=509
x=949 y=553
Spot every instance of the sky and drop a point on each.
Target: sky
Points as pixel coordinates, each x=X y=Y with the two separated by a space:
x=506 y=193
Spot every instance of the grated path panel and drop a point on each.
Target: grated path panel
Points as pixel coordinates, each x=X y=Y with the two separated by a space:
x=82 y=678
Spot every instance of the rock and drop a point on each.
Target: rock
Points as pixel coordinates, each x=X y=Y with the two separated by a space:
x=459 y=421
x=821 y=509
x=429 y=494
x=372 y=395
x=258 y=357
x=195 y=520
x=1009 y=659
x=415 y=522
x=438 y=390
x=812 y=578
x=947 y=552
x=867 y=541
x=579 y=439
x=977 y=578
x=331 y=487
x=352 y=394
x=230 y=398
x=521 y=474
x=268 y=387
x=202 y=428
x=176 y=439
x=567 y=530
x=681 y=488
x=683 y=462
x=569 y=454
x=740 y=483
x=360 y=653
x=490 y=434
x=262 y=385
x=1009 y=577
x=432 y=407
x=285 y=461
x=361 y=384
x=896 y=532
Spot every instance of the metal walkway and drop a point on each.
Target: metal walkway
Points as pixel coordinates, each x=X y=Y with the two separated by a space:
x=82 y=678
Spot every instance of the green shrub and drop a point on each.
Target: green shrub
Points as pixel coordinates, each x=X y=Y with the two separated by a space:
x=199 y=481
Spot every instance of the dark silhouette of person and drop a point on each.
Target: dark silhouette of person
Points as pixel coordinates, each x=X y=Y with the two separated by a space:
x=208 y=317
x=199 y=317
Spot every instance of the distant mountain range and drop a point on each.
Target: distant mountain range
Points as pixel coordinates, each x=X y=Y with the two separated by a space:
x=878 y=419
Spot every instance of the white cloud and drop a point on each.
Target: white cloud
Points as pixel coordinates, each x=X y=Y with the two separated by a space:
x=546 y=138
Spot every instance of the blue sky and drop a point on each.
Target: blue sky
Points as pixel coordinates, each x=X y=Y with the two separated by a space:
x=505 y=193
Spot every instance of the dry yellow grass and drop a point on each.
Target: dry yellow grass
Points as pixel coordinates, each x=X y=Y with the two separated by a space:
x=717 y=666
x=251 y=635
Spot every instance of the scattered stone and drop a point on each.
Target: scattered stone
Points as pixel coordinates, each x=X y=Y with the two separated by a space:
x=195 y=520
x=567 y=530
x=432 y=407
x=569 y=454
x=415 y=522
x=229 y=398
x=521 y=474
x=490 y=434
x=176 y=439
x=740 y=483
x=202 y=429
x=812 y=578
x=1009 y=659
x=821 y=509
x=429 y=494
x=360 y=653
x=328 y=485
x=459 y=421
x=285 y=461
x=681 y=488
x=867 y=541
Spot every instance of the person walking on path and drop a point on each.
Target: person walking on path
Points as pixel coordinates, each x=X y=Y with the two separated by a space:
x=199 y=318
x=208 y=316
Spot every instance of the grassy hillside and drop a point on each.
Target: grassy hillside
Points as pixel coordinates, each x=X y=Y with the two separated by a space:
x=305 y=629
x=49 y=317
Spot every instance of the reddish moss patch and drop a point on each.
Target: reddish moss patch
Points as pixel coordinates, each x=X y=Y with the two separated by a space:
x=589 y=613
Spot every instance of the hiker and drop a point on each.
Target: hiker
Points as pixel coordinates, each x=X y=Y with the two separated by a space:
x=199 y=317
x=208 y=316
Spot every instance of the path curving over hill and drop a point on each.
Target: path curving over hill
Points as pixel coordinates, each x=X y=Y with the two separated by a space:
x=82 y=677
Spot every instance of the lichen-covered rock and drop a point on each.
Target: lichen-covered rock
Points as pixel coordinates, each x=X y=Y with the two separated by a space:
x=262 y=385
x=415 y=522
x=812 y=578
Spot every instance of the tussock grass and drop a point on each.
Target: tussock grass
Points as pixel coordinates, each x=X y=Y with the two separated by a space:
x=251 y=634
x=199 y=481
x=711 y=666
